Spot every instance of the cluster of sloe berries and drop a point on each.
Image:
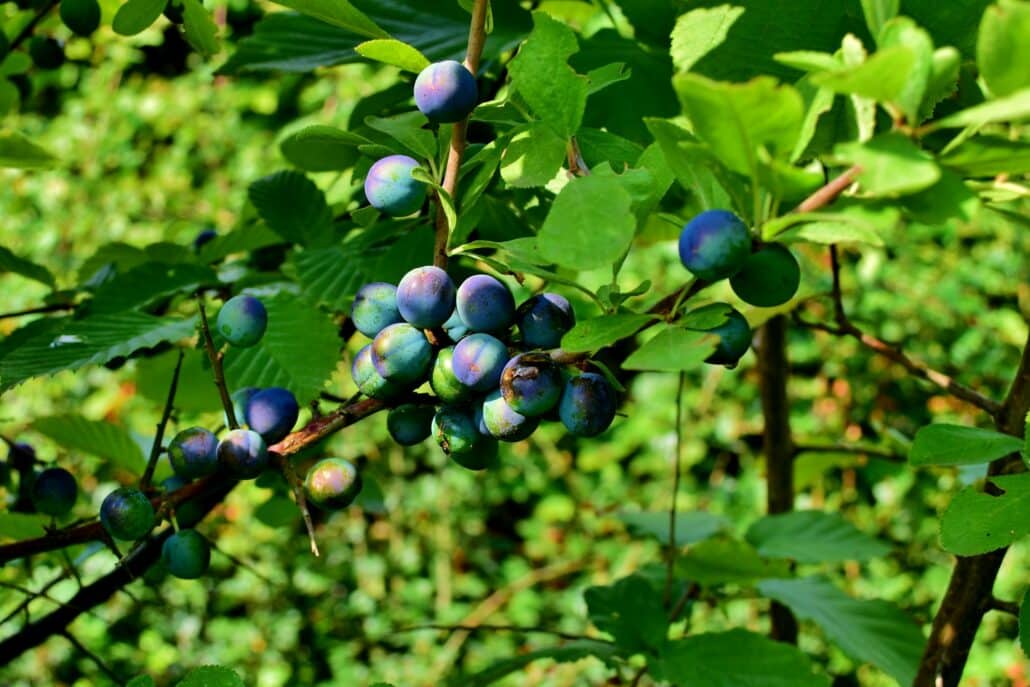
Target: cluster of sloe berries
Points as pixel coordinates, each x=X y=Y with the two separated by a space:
x=445 y=92
x=716 y=245
x=488 y=383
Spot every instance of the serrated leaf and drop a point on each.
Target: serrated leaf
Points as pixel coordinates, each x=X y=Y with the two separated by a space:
x=882 y=77
x=147 y=283
x=631 y=611
x=943 y=444
x=541 y=75
x=589 y=225
x=95 y=437
x=1003 y=47
x=591 y=335
x=21 y=525
x=700 y=31
x=810 y=536
x=891 y=165
x=691 y=526
x=567 y=653
x=976 y=522
x=394 y=52
x=330 y=276
x=196 y=392
x=734 y=659
x=293 y=207
x=339 y=13
x=1011 y=108
x=137 y=15
x=727 y=561
x=673 y=349
x=13 y=264
x=322 y=148
x=199 y=28
x=68 y=344
x=211 y=676
x=407 y=130
x=870 y=631
x=242 y=240
x=299 y=351
x=18 y=151
x=989 y=156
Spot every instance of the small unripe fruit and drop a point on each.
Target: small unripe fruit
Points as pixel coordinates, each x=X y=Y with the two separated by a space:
x=243 y=453
x=734 y=338
x=46 y=53
x=272 y=413
x=478 y=361
x=54 y=491
x=186 y=554
x=332 y=483
x=587 y=406
x=410 y=424
x=544 y=319
x=425 y=297
x=242 y=320
x=443 y=381
x=485 y=304
x=369 y=381
x=375 y=308
x=81 y=16
x=504 y=423
x=446 y=92
x=127 y=514
x=390 y=188
x=770 y=277
x=402 y=354
x=714 y=245
x=455 y=431
x=192 y=453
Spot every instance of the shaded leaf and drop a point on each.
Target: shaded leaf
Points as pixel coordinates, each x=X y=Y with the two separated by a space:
x=943 y=444
x=976 y=522
x=810 y=536
x=691 y=526
x=96 y=437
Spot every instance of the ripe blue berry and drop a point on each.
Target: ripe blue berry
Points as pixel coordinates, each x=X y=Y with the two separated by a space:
x=243 y=453
x=390 y=187
x=485 y=304
x=127 y=514
x=587 y=406
x=54 y=491
x=544 y=319
x=446 y=92
x=332 y=483
x=192 y=453
x=734 y=337
x=242 y=320
x=714 y=245
x=186 y=554
x=478 y=361
x=272 y=413
x=425 y=297
x=374 y=308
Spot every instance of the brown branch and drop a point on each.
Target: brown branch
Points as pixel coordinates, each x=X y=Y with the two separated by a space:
x=577 y=165
x=216 y=366
x=1010 y=607
x=26 y=30
x=93 y=657
x=477 y=38
x=155 y=449
x=829 y=192
x=298 y=494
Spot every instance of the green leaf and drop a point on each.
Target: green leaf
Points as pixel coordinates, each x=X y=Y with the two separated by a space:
x=589 y=224
x=810 y=536
x=211 y=676
x=694 y=166
x=394 y=52
x=673 y=349
x=542 y=77
x=21 y=525
x=1003 y=47
x=149 y=282
x=976 y=522
x=869 y=631
x=293 y=207
x=727 y=561
x=734 y=659
x=591 y=335
x=67 y=344
x=603 y=77
x=1024 y=623
x=199 y=28
x=137 y=15
x=277 y=511
x=407 y=130
x=891 y=165
x=1011 y=108
x=12 y=264
x=299 y=351
x=322 y=148
x=243 y=240
x=944 y=72
x=631 y=611
x=943 y=444
x=98 y=438
x=700 y=31
x=882 y=77
x=989 y=156
x=829 y=229
x=330 y=276
x=339 y=13
x=19 y=152
x=691 y=526
x=903 y=32
x=533 y=157
x=196 y=392
x=141 y=681
x=879 y=12
x=736 y=119
x=567 y=653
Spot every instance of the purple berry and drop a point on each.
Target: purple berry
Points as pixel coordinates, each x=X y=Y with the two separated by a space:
x=714 y=245
x=272 y=413
x=446 y=92
x=390 y=187
x=192 y=453
x=54 y=491
x=478 y=361
x=332 y=483
x=425 y=297
x=531 y=383
x=587 y=406
x=485 y=304
x=544 y=319
x=243 y=453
